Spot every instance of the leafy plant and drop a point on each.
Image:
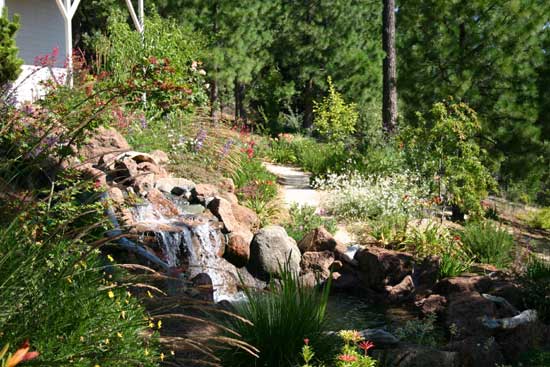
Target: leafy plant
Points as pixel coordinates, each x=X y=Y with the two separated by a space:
x=539 y=219
x=334 y=119
x=304 y=219
x=352 y=354
x=254 y=181
x=279 y=320
x=422 y=332
x=488 y=243
x=389 y=230
x=54 y=289
x=444 y=148
x=9 y=62
x=536 y=285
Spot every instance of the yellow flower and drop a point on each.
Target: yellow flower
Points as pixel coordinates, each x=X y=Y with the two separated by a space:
x=119 y=335
x=159 y=324
x=123 y=314
x=70 y=280
x=107 y=341
x=149 y=294
x=146 y=351
x=82 y=339
x=162 y=356
x=151 y=325
x=110 y=258
x=111 y=294
x=97 y=365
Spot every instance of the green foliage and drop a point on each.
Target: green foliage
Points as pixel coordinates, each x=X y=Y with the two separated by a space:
x=168 y=58
x=489 y=55
x=536 y=286
x=9 y=62
x=304 y=219
x=444 y=148
x=488 y=243
x=421 y=332
x=389 y=230
x=279 y=320
x=334 y=119
x=54 y=289
x=539 y=219
x=315 y=157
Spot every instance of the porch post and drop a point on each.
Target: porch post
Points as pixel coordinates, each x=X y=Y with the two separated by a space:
x=69 y=42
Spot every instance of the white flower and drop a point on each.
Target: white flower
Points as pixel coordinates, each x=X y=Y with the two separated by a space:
x=202 y=72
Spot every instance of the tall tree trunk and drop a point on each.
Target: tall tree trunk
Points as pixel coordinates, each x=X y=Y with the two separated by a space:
x=240 y=91
x=308 y=105
x=389 y=100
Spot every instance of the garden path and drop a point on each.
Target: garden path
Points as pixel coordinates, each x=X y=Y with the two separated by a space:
x=296 y=189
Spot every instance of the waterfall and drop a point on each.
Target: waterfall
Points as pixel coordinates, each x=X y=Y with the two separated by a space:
x=195 y=240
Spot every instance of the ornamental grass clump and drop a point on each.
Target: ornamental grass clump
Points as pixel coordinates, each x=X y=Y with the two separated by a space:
x=488 y=243
x=358 y=197
x=280 y=319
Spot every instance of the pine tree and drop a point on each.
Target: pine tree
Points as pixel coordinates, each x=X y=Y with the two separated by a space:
x=320 y=38
x=481 y=52
x=239 y=38
x=10 y=64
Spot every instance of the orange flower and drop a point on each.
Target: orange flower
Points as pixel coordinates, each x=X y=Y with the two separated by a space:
x=347 y=358
x=21 y=355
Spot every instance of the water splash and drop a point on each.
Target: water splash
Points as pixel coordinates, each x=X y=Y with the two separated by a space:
x=195 y=240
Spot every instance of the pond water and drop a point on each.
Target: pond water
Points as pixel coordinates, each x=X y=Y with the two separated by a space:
x=351 y=312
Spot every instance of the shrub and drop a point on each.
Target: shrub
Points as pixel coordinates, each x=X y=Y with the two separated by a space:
x=355 y=196
x=169 y=48
x=389 y=230
x=444 y=146
x=420 y=332
x=334 y=119
x=436 y=240
x=280 y=320
x=536 y=285
x=9 y=62
x=488 y=243
x=539 y=219
x=304 y=219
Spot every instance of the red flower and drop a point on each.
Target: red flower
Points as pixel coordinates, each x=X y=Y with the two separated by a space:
x=306 y=341
x=347 y=358
x=366 y=345
x=456 y=238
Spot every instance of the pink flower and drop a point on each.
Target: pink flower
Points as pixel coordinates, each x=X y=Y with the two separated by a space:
x=306 y=341
x=366 y=345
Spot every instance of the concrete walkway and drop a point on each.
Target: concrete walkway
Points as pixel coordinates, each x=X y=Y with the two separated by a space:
x=296 y=190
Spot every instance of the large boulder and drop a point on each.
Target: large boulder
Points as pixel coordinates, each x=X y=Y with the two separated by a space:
x=478 y=351
x=317 y=263
x=246 y=217
x=223 y=210
x=466 y=311
x=318 y=239
x=237 y=250
x=417 y=356
x=381 y=267
x=161 y=204
x=104 y=141
x=271 y=250
x=176 y=186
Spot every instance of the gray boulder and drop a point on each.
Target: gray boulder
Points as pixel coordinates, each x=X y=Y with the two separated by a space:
x=272 y=249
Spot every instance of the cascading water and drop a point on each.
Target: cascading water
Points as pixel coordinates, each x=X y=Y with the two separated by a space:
x=196 y=241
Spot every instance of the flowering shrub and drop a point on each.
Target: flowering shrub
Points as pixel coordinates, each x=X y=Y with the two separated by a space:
x=354 y=196
x=354 y=352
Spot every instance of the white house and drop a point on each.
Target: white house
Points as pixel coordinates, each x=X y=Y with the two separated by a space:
x=46 y=25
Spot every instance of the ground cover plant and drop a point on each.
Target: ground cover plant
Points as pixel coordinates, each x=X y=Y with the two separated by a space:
x=535 y=281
